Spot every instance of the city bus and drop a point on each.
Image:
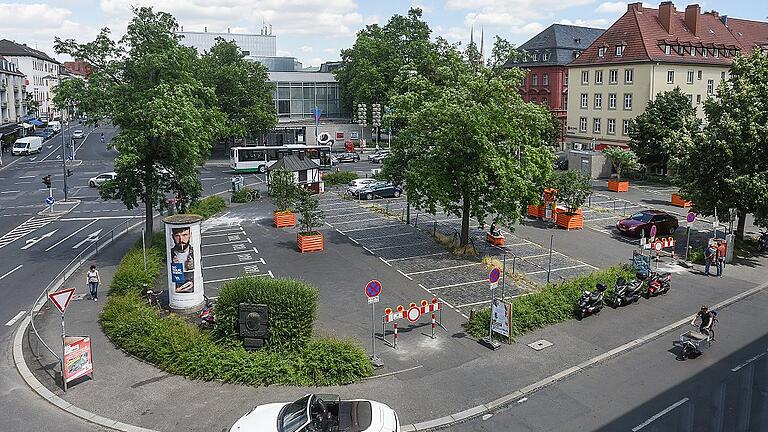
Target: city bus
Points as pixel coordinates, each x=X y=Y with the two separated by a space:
x=259 y=159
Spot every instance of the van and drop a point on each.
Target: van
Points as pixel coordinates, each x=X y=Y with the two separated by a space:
x=55 y=125
x=27 y=145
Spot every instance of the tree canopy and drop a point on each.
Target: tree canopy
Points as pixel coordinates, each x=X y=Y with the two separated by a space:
x=728 y=166
x=621 y=159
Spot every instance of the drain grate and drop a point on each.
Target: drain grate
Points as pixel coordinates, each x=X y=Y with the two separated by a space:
x=540 y=344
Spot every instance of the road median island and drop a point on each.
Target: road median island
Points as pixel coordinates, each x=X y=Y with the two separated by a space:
x=291 y=357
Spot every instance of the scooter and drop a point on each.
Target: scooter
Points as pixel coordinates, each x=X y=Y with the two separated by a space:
x=656 y=283
x=762 y=242
x=591 y=303
x=207 y=318
x=626 y=292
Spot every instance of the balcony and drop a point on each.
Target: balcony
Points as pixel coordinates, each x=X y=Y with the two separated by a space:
x=3 y=105
x=2 y=88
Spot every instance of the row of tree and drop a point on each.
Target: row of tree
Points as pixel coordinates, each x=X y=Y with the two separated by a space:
x=169 y=103
x=722 y=162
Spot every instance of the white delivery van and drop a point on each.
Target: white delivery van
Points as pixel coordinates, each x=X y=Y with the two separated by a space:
x=27 y=145
x=55 y=125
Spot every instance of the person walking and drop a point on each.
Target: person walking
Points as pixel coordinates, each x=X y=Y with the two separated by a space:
x=720 y=259
x=93 y=279
x=709 y=256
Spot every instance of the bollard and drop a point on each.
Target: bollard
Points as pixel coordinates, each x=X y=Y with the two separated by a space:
x=395 y=335
x=434 y=228
x=433 y=325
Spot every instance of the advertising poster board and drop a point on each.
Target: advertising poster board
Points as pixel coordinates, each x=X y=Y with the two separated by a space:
x=501 y=315
x=185 y=276
x=77 y=358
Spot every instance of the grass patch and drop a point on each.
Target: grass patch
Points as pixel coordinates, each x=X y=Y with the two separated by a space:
x=244 y=194
x=453 y=245
x=550 y=305
x=208 y=207
x=517 y=278
x=339 y=178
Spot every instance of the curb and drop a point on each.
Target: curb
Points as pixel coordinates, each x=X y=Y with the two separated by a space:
x=490 y=407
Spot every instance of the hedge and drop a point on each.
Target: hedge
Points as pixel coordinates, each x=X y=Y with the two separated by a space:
x=551 y=305
x=241 y=196
x=178 y=347
x=339 y=178
x=208 y=207
x=292 y=309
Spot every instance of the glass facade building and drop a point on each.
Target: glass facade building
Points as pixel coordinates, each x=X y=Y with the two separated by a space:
x=296 y=94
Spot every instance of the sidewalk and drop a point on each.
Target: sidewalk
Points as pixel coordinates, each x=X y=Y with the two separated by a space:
x=437 y=378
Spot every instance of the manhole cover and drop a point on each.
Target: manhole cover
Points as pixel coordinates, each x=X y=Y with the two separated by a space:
x=540 y=344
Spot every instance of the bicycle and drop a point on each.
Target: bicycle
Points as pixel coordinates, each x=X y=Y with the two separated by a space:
x=153 y=298
x=252 y=195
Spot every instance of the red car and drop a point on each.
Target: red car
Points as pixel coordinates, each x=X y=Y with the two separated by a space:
x=640 y=222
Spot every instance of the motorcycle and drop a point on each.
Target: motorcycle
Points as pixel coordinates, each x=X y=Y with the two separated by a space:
x=656 y=283
x=762 y=242
x=693 y=343
x=207 y=319
x=626 y=292
x=591 y=303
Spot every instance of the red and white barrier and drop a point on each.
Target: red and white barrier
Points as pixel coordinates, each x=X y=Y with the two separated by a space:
x=413 y=313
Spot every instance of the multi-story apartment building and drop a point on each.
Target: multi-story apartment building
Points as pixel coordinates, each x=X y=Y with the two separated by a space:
x=545 y=57
x=41 y=71
x=645 y=52
x=12 y=93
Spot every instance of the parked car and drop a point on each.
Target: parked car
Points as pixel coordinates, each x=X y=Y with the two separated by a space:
x=379 y=190
x=27 y=145
x=379 y=156
x=101 y=178
x=78 y=134
x=55 y=125
x=356 y=184
x=45 y=134
x=347 y=157
x=634 y=225
x=320 y=413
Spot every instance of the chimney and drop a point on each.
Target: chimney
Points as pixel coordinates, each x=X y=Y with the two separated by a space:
x=724 y=20
x=666 y=13
x=206 y=29
x=635 y=6
x=693 y=18
x=227 y=29
x=715 y=13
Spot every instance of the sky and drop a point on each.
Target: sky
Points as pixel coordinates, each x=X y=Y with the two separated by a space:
x=315 y=31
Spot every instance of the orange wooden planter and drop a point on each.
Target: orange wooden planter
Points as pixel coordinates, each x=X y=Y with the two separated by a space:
x=536 y=211
x=618 y=185
x=495 y=240
x=284 y=219
x=309 y=242
x=570 y=221
x=678 y=201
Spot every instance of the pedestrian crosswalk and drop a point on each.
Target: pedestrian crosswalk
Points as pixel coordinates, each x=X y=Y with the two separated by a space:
x=25 y=228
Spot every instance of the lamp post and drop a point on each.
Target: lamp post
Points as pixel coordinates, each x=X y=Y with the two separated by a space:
x=376 y=117
x=362 y=120
x=63 y=156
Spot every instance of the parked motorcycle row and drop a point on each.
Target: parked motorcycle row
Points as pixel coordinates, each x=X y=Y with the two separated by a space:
x=624 y=293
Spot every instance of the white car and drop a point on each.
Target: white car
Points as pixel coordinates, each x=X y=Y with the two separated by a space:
x=357 y=184
x=320 y=413
x=101 y=178
x=78 y=134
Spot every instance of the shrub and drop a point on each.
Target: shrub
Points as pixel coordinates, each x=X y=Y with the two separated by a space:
x=333 y=361
x=242 y=195
x=339 y=178
x=130 y=276
x=308 y=207
x=208 y=207
x=282 y=189
x=573 y=188
x=621 y=159
x=292 y=309
x=550 y=305
x=696 y=256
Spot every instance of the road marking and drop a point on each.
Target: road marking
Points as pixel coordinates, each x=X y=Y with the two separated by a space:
x=24 y=182
x=362 y=220
x=269 y=273
x=444 y=268
x=92 y=237
x=659 y=414
x=228 y=253
x=34 y=240
x=233 y=264
x=11 y=271
x=385 y=236
x=52 y=152
x=70 y=236
x=27 y=176
x=369 y=228
x=347 y=214
x=222 y=244
x=101 y=218
x=221 y=233
x=26 y=227
x=417 y=256
x=400 y=271
x=13 y=320
x=457 y=284
x=12 y=191
x=748 y=361
x=404 y=245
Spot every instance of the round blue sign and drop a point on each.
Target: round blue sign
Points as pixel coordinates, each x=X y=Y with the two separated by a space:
x=493 y=276
x=373 y=288
x=49 y=200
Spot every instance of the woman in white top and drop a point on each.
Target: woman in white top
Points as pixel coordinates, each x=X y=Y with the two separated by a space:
x=93 y=279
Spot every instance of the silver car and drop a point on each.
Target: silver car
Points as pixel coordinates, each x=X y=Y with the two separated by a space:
x=78 y=134
x=101 y=178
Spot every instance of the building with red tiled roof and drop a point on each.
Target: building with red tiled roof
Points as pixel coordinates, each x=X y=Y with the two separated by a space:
x=645 y=52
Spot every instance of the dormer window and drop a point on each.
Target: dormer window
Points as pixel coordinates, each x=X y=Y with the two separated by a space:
x=536 y=57
x=601 y=52
x=680 y=49
x=693 y=52
x=545 y=56
x=577 y=41
x=717 y=53
x=668 y=49
x=619 y=50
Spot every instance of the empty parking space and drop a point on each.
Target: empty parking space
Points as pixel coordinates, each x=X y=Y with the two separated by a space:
x=229 y=253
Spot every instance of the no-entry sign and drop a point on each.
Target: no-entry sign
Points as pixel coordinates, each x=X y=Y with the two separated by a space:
x=414 y=313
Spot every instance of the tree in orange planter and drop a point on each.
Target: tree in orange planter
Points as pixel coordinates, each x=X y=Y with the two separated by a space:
x=621 y=160
x=573 y=188
x=310 y=218
x=282 y=190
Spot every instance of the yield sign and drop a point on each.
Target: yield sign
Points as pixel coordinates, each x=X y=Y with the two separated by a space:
x=61 y=299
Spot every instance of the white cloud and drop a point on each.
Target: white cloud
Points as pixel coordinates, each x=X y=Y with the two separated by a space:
x=612 y=7
x=305 y=48
x=421 y=5
x=331 y=50
x=372 y=19
x=315 y=61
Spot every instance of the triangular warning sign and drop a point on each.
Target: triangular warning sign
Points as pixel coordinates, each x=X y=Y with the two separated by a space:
x=61 y=299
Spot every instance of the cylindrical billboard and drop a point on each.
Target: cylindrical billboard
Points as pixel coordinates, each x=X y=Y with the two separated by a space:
x=185 y=275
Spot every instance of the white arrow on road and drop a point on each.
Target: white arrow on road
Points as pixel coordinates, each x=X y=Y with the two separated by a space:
x=31 y=159
x=92 y=237
x=34 y=240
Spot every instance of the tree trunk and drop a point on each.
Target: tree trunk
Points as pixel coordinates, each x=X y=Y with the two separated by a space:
x=464 y=222
x=741 y=225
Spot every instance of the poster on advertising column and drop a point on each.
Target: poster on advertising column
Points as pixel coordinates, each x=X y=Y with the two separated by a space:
x=185 y=276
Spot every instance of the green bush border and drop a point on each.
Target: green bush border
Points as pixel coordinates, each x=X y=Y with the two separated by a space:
x=551 y=305
x=177 y=347
x=208 y=206
x=339 y=178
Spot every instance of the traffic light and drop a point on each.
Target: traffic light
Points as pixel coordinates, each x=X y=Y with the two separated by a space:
x=69 y=173
x=47 y=181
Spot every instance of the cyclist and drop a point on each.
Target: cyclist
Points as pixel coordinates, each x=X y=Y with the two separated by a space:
x=707 y=319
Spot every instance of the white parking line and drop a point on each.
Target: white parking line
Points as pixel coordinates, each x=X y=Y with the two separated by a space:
x=659 y=414
x=400 y=271
x=386 y=236
x=13 y=320
x=518 y=244
x=455 y=285
x=222 y=244
x=71 y=235
x=385 y=261
x=404 y=245
x=417 y=256
x=558 y=269
x=225 y=233
x=338 y=203
x=237 y=252
x=260 y=261
x=269 y=273
x=602 y=219
x=361 y=220
x=368 y=228
x=346 y=214
x=444 y=268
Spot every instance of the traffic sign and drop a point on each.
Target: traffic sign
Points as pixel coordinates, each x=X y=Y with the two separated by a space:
x=690 y=218
x=413 y=314
x=372 y=300
x=61 y=299
x=658 y=246
x=373 y=289
x=50 y=200
x=493 y=276
x=317 y=112
x=653 y=231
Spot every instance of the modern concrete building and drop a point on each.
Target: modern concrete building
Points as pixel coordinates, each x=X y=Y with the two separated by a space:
x=251 y=44
x=41 y=71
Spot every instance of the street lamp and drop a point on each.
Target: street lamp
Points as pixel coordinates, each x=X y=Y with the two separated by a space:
x=376 y=116
x=362 y=120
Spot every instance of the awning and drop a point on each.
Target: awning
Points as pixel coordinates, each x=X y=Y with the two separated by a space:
x=27 y=126
x=36 y=122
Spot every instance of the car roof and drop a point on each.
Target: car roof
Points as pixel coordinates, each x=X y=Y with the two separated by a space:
x=654 y=212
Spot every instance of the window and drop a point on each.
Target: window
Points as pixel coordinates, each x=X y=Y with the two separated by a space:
x=670 y=77
x=627 y=101
x=598 y=77
x=601 y=52
x=585 y=77
x=717 y=52
x=619 y=50
x=545 y=56
x=628 y=75
x=704 y=52
x=693 y=52
x=710 y=86
x=625 y=127
x=612 y=101
x=613 y=76
x=668 y=49
x=680 y=49
x=283 y=107
x=565 y=79
x=722 y=75
x=534 y=80
x=689 y=77
x=612 y=126
x=522 y=82
x=596 y=125
x=598 y=101
x=699 y=74
x=536 y=57
x=582 y=124
x=584 y=100
x=698 y=99
x=544 y=80
x=533 y=99
x=544 y=101
x=690 y=99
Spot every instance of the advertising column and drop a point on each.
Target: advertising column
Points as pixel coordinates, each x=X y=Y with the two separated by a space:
x=185 y=276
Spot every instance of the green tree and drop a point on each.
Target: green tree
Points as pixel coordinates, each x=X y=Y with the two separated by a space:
x=728 y=166
x=469 y=142
x=665 y=130
x=242 y=88
x=573 y=189
x=621 y=159
x=310 y=215
x=167 y=119
x=33 y=106
x=282 y=189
